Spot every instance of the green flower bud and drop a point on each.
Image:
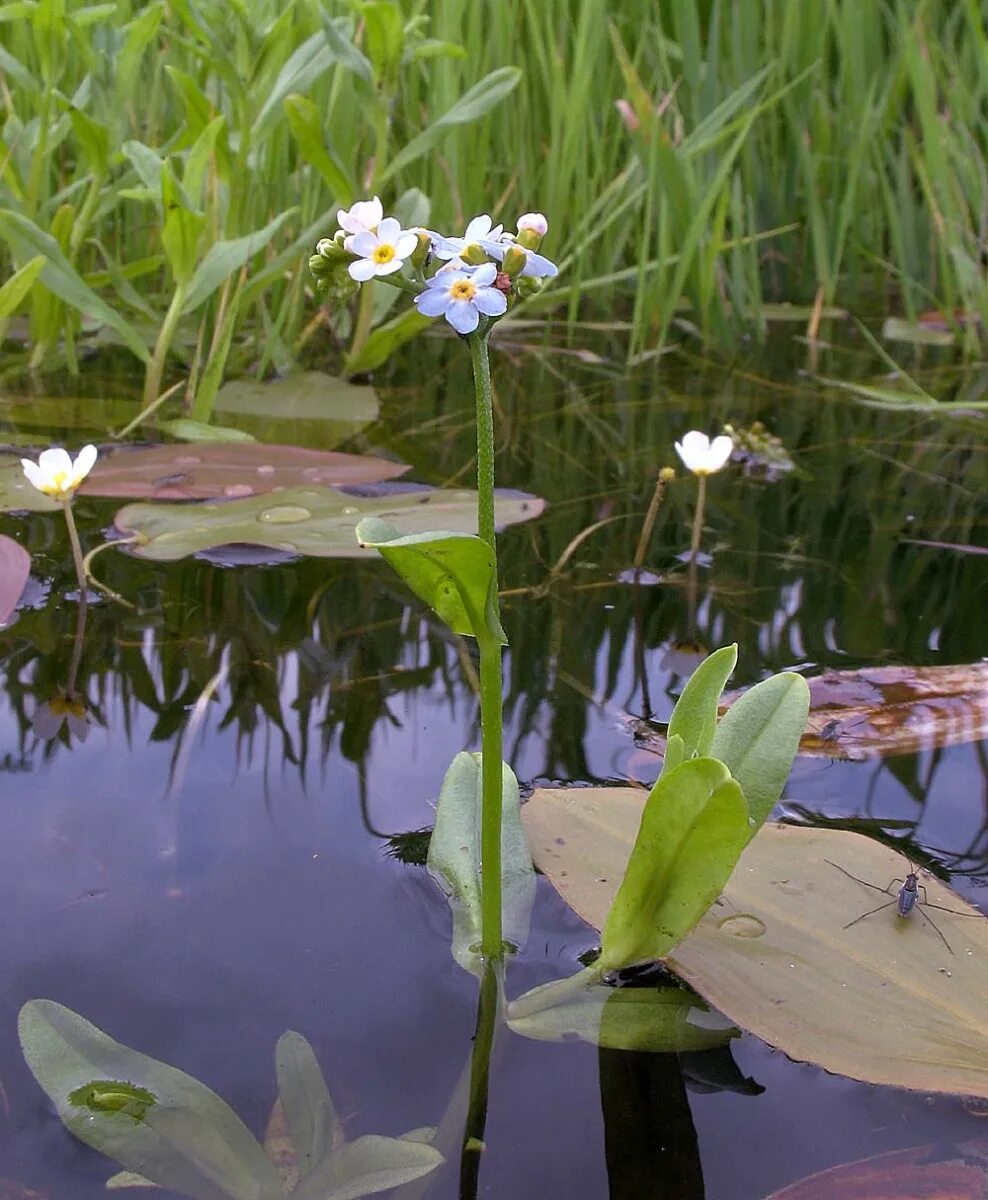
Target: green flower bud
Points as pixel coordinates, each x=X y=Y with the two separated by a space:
x=514 y=261
x=529 y=239
x=528 y=285
x=421 y=251
x=474 y=255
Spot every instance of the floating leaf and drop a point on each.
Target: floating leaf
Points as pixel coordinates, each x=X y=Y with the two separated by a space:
x=884 y=1001
x=917 y=333
x=454 y=859
x=186 y=1139
x=17 y=494
x=945 y=1171
x=229 y=469
x=306 y=395
x=15 y=567
x=187 y=430
x=627 y=1018
x=454 y=573
x=320 y=523
x=694 y=826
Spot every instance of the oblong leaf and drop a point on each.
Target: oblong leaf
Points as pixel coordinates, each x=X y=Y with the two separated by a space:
x=454 y=573
x=18 y=285
x=758 y=737
x=186 y=1138
x=884 y=1001
x=224 y=257
x=313 y=1125
x=695 y=716
x=693 y=828
x=368 y=1165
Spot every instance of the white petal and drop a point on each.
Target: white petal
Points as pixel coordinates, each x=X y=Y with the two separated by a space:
x=491 y=302
x=55 y=462
x=389 y=268
x=721 y=449
x=693 y=449
x=405 y=245
x=347 y=223
x=34 y=474
x=479 y=227
x=388 y=230
x=363 y=243
x=484 y=275
x=45 y=723
x=78 y=726
x=433 y=302
x=534 y=221
x=362 y=270
x=462 y=315
x=84 y=463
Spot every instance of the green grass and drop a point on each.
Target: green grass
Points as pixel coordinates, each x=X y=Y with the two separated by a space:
x=174 y=164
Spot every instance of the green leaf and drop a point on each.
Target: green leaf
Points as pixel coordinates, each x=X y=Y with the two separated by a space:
x=637 y=1018
x=368 y=1165
x=181 y=230
x=384 y=37
x=312 y=1122
x=185 y=1138
x=318 y=521
x=139 y=32
x=225 y=257
x=345 y=49
x=454 y=858
x=198 y=110
x=757 y=738
x=480 y=99
x=883 y=1001
x=693 y=829
x=695 y=716
x=94 y=137
x=61 y=278
x=200 y=158
x=454 y=573
x=305 y=122
x=18 y=285
x=386 y=339
x=187 y=430
x=147 y=163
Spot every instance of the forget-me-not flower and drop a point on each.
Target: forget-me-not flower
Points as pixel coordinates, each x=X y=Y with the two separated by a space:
x=462 y=296
x=381 y=252
x=480 y=232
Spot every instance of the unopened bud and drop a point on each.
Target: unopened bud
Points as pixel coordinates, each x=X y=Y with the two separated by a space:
x=319 y=266
x=667 y=474
x=502 y=281
x=535 y=222
x=528 y=285
x=420 y=255
x=514 y=261
x=330 y=249
x=474 y=255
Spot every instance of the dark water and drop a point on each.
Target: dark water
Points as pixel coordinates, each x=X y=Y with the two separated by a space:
x=197 y=895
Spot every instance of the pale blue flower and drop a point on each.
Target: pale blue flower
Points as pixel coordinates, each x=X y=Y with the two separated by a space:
x=380 y=252
x=480 y=232
x=462 y=296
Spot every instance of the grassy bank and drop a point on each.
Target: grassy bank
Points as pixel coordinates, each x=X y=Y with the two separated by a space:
x=172 y=163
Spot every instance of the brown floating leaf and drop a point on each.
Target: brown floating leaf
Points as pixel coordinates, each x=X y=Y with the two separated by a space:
x=229 y=469
x=881 y=711
x=884 y=1001
x=15 y=566
x=922 y=1173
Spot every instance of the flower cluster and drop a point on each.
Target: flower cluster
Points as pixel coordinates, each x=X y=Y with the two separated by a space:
x=463 y=279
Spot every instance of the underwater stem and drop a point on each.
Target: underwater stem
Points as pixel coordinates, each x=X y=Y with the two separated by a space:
x=701 y=500
x=80 y=566
x=488 y=1013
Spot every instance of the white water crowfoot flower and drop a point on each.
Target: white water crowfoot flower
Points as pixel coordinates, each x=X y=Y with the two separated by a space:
x=703 y=456
x=47 y=718
x=462 y=296
x=382 y=252
x=56 y=475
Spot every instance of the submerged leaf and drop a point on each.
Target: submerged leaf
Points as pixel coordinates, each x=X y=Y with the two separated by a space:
x=454 y=858
x=318 y=522
x=310 y=1116
x=884 y=1001
x=186 y=1139
x=454 y=573
x=368 y=1165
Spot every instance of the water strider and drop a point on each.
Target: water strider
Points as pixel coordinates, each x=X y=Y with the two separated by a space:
x=905 y=900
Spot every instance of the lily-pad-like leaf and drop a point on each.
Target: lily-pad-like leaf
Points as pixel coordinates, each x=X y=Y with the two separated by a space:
x=184 y=1137
x=317 y=522
x=15 y=567
x=695 y=714
x=309 y=1114
x=184 y=429
x=229 y=470
x=454 y=859
x=758 y=737
x=305 y=396
x=694 y=826
x=454 y=573
x=635 y=1018
x=17 y=494
x=884 y=1001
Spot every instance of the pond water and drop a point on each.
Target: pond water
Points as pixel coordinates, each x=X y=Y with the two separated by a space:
x=196 y=882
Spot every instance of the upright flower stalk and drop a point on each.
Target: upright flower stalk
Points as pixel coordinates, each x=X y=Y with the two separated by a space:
x=470 y=281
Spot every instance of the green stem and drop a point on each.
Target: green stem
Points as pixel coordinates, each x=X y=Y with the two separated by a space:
x=491 y=688
x=80 y=566
x=488 y=1012
x=365 y=315
x=701 y=500
x=156 y=367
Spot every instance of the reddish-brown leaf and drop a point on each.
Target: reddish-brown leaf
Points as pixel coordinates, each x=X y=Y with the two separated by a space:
x=15 y=566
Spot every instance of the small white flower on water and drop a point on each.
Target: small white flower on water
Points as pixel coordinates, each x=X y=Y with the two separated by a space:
x=703 y=456
x=461 y=297
x=536 y=222
x=382 y=252
x=48 y=718
x=56 y=474
x=480 y=232
x=364 y=215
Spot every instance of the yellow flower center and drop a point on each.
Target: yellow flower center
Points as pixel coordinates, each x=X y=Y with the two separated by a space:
x=463 y=289
x=383 y=253
x=57 y=484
